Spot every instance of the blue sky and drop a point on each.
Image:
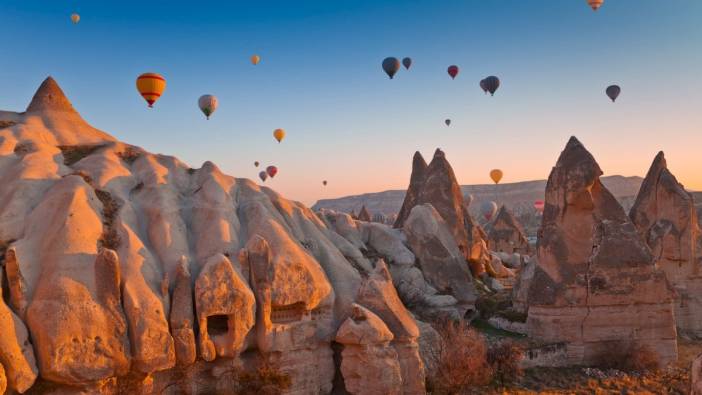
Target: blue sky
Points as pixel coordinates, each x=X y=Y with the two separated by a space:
x=320 y=79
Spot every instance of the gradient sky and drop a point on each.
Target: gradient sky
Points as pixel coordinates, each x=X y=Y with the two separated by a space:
x=320 y=79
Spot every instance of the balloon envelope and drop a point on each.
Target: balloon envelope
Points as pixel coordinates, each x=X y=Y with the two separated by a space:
x=447 y=122
x=324 y=182
x=483 y=86
x=208 y=104
x=391 y=66
x=407 y=62
x=496 y=175
x=255 y=59
x=272 y=171
x=491 y=84
x=75 y=18
x=263 y=175
x=613 y=92
x=279 y=134
x=151 y=86
x=595 y=4
x=256 y=163
x=488 y=209
x=453 y=71
x=539 y=206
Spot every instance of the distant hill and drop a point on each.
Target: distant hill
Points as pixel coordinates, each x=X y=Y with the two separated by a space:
x=518 y=196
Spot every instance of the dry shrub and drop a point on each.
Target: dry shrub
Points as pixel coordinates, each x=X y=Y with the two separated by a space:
x=110 y=207
x=130 y=154
x=7 y=124
x=504 y=358
x=460 y=360
x=74 y=153
x=266 y=380
x=628 y=357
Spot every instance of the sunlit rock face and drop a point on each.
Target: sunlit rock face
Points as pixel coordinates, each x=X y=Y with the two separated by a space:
x=131 y=272
x=664 y=214
x=595 y=282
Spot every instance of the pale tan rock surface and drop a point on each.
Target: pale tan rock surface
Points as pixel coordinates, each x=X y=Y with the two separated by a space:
x=696 y=376
x=182 y=317
x=595 y=282
x=369 y=363
x=664 y=214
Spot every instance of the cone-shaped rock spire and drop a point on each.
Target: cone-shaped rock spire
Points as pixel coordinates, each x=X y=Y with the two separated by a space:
x=50 y=97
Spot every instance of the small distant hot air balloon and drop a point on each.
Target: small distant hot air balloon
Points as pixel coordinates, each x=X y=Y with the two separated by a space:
x=447 y=122
x=75 y=18
x=208 y=104
x=407 y=62
x=255 y=59
x=151 y=86
x=613 y=92
x=324 y=183
x=453 y=71
x=483 y=86
x=272 y=171
x=496 y=175
x=256 y=163
x=595 y=4
x=263 y=175
x=491 y=84
x=279 y=134
x=488 y=209
x=391 y=66
x=539 y=206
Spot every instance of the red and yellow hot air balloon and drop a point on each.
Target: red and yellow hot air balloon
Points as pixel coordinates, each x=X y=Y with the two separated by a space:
x=151 y=86
x=75 y=18
x=595 y=4
x=279 y=134
x=496 y=175
x=255 y=59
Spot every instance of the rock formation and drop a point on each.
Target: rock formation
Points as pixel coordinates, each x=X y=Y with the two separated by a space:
x=595 y=283
x=113 y=253
x=664 y=214
x=364 y=215
x=416 y=185
x=369 y=364
x=505 y=234
x=696 y=376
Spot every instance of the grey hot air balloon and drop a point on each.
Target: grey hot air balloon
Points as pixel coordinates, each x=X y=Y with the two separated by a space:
x=613 y=92
x=491 y=84
x=447 y=122
x=482 y=86
x=263 y=175
x=391 y=66
x=208 y=104
x=407 y=62
x=488 y=209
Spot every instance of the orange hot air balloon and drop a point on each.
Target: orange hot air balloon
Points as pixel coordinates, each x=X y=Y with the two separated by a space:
x=595 y=4
x=279 y=134
x=496 y=175
x=151 y=86
x=255 y=59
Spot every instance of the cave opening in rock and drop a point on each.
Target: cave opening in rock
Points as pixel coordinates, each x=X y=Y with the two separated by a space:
x=217 y=325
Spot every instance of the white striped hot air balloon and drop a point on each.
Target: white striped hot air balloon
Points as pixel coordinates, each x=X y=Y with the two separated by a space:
x=208 y=104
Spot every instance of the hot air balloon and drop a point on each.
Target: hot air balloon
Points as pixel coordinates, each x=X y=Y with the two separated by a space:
x=407 y=62
x=496 y=175
x=263 y=175
x=75 y=18
x=324 y=182
x=539 y=206
x=595 y=4
x=255 y=59
x=453 y=71
x=491 y=84
x=488 y=209
x=208 y=104
x=256 y=163
x=483 y=86
x=613 y=92
x=272 y=171
x=151 y=86
x=279 y=134
x=447 y=122
x=391 y=66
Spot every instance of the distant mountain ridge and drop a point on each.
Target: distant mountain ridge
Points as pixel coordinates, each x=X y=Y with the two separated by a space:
x=518 y=196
